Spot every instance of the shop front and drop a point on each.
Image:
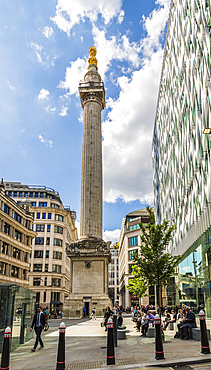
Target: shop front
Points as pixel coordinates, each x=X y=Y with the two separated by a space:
x=191 y=285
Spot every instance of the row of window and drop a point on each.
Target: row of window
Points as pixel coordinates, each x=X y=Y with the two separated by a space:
x=134 y=227
x=14 y=252
x=41 y=228
x=47 y=216
x=13 y=271
x=55 y=296
x=54 y=282
x=56 y=255
x=40 y=241
x=37 y=267
x=16 y=216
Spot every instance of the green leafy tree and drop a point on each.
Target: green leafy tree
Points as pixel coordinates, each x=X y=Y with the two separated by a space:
x=154 y=263
x=138 y=285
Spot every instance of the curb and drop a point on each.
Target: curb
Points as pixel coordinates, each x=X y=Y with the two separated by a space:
x=161 y=363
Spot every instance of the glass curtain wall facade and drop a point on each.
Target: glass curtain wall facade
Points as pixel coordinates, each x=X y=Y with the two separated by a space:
x=182 y=153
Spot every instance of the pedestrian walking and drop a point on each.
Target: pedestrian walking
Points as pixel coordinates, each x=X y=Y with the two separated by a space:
x=93 y=314
x=38 y=324
x=84 y=311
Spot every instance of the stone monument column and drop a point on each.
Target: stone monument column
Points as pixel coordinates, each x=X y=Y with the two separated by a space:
x=90 y=255
x=92 y=96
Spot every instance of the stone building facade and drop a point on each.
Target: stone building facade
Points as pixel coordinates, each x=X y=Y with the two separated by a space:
x=16 y=235
x=54 y=225
x=129 y=242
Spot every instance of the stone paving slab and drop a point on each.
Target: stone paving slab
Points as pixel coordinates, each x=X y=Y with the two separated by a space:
x=87 y=350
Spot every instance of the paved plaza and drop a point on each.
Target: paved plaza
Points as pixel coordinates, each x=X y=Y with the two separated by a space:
x=86 y=349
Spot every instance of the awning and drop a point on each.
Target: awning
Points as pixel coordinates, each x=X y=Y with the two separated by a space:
x=56 y=302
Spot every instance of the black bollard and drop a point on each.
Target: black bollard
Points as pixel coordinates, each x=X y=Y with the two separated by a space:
x=115 y=330
x=61 y=348
x=110 y=343
x=5 y=358
x=205 y=348
x=159 y=355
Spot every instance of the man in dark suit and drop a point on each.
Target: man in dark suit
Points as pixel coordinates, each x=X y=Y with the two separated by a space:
x=189 y=322
x=38 y=324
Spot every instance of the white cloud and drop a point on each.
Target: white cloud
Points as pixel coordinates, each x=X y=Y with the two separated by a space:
x=49 y=109
x=111 y=235
x=70 y=13
x=45 y=141
x=43 y=94
x=42 y=57
x=127 y=130
x=121 y=17
x=63 y=111
x=48 y=32
x=13 y=88
x=74 y=73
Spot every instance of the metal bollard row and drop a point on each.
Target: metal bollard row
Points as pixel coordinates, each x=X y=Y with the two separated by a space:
x=110 y=343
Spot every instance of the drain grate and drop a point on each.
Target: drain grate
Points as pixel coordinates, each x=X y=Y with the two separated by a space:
x=89 y=365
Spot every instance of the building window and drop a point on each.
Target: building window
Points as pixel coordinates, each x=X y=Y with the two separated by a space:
x=16 y=253
x=25 y=194
x=56 y=282
x=44 y=216
x=17 y=217
x=48 y=228
x=46 y=267
x=7 y=229
x=41 y=195
x=3 y=268
x=15 y=194
x=19 y=203
x=34 y=204
x=44 y=297
x=4 y=248
x=38 y=254
x=56 y=268
x=45 y=283
x=6 y=209
x=33 y=215
x=36 y=281
x=57 y=255
x=36 y=194
x=18 y=235
x=40 y=228
x=38 y=216
x=58 y=229
x=42 y=204
x=48 y=241
x=58 y=218
x=37 y=267
x=15 y=271
x=131 y=254
x=49 y=216
x=134 y=227
x=47 y=254
x=133 y=241
x=54 y=205
x=31 y=194
x=10 y=194
x=57 y=242
x=20 y=194
x=55 y=296
x=39 y=241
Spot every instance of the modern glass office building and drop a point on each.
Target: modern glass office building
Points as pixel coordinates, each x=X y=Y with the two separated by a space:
x=182 y=153
x=17 y=307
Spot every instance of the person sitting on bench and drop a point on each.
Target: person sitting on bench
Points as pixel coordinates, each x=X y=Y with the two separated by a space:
x=189 y=322
x=173 y=320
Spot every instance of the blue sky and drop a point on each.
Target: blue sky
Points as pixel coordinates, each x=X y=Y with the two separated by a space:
x=44 y=52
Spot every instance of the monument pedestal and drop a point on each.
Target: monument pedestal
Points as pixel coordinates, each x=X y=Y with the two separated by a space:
x=89 y=259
